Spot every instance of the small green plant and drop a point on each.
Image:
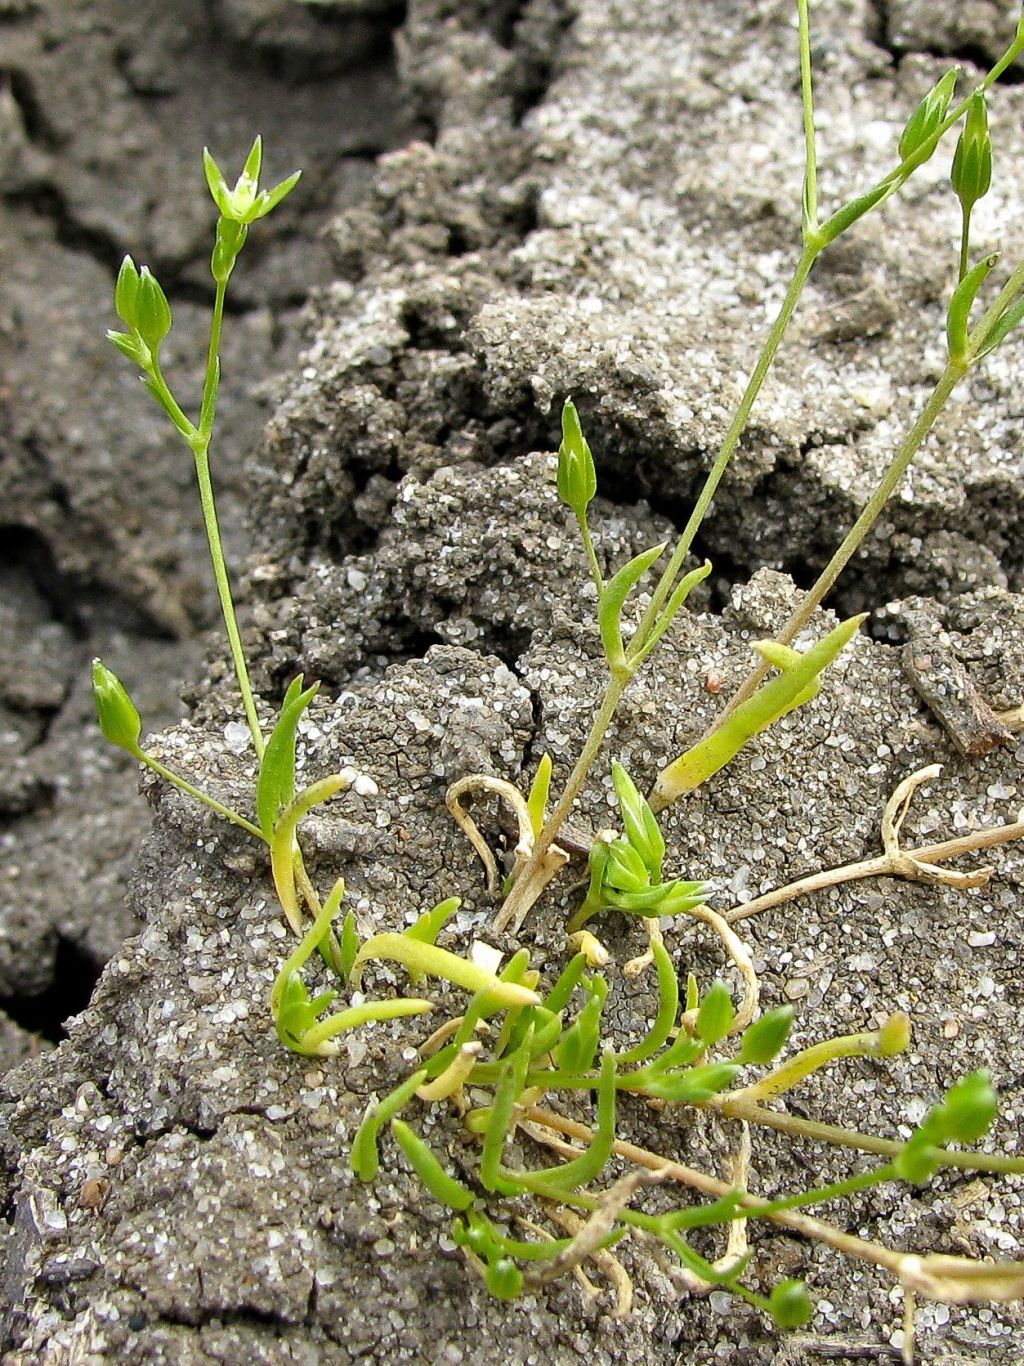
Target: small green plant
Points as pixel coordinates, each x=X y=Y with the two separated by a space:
x=518 y=1045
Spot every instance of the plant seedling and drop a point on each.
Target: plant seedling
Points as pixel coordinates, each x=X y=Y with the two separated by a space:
x=698 y=1051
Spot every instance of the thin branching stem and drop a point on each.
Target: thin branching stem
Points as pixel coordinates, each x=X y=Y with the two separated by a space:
x=951 y=375
x=200 y=444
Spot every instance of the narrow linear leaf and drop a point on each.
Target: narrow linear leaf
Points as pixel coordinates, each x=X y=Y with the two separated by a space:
x=364 y=1158
x=609 y=608
x=275 y=786
x=435 y=962
x=770 y=702
x=959 y=312
x=425 y=1164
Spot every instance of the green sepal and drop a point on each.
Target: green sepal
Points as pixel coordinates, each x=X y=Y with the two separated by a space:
x=229 y=241
x=790 y=1305
x=716 y=1014
x=152 y=311
x=959 y=312
x=425 y=1164
x=926 y=120
x=119 y=720
x=245 y=202
x=612 y=600
x=364 y=1159
x=132 y=346
x=577 y=478
x=125 y=291
x=763 y=1040
x=275 y=787
x=691 y=1087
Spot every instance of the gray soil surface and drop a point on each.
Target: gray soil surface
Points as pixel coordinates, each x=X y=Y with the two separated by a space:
x=599 y=200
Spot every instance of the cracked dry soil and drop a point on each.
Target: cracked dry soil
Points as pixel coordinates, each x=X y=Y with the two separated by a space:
x=602 y=201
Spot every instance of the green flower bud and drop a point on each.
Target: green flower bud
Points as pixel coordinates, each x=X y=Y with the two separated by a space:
x=577 y=479
x=716 y=1014
x=642 y=830
x=971 y=175
x=763 y=1040
x=790 y=1305
x=119 y=721
x=967 y=1112
x=927 y=117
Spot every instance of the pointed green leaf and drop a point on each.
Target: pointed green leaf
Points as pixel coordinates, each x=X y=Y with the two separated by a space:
x=958 y=315
x=616 y=590
x=425 y=1164
x=639 y=823
x=275 y=786
x=716 y=1014
x=764 y=1039
x=771 y=701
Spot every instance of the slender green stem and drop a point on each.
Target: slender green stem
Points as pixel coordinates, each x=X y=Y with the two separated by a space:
x=212 y=380
x=807 y=97
x=850 y=1138
x=953 y=373
x=965 y=242
x=185 y=426
x=614 y=689
x=200 y=444
x=227 y=606
x=729 y=444
x=185 y=786
x=588 y=545
x=979 y=334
